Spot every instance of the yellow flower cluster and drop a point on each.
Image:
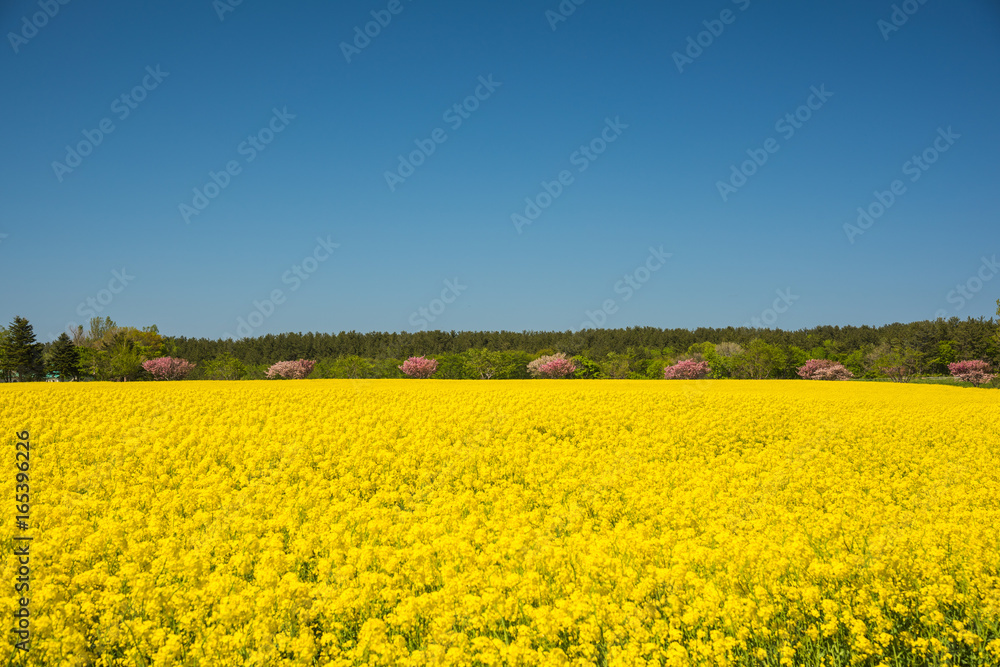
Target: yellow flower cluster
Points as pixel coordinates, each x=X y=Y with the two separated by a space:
x=405 y=522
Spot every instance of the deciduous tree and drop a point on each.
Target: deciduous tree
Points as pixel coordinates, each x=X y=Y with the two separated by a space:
x=687 y=369
x=975 y=371
x=895 y=361
x=291 y=370
x=824 y=369
x=168 y=368
x=225 y=367
x=419 y=367
x=482 y=363
x=551 y=366
x=759 y=360
x=556 y=369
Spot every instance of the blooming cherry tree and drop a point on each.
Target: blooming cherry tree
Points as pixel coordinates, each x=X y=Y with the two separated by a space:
x=551 y=366
x=975 y=371
x=419 y=367
x=557 y=368
x=291 y=370
x=824 y=369
x=688 y=369
x=168 y=368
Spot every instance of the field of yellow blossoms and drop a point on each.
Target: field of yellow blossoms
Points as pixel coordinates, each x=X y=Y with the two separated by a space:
x=408 y=522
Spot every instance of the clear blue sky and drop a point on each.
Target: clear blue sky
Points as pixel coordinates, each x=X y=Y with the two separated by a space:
x=203 y=82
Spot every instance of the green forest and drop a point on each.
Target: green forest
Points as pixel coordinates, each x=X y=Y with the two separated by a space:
x=900 y=352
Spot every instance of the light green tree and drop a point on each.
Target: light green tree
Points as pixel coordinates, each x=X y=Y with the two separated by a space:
x=759 y=360
x=894 y=360
x=225 y=367
x=615 y=366
x=482 y=363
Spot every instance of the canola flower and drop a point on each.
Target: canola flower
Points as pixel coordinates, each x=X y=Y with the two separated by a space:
x=483 y=523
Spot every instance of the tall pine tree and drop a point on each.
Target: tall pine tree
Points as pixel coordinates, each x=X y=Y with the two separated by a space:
x=65 y=358
x=23 y=355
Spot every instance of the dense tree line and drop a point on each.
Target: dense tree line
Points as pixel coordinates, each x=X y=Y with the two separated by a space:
x=108 y=351
x=932 y=344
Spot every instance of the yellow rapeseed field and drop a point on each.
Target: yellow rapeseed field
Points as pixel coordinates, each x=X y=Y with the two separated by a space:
x=433 y=522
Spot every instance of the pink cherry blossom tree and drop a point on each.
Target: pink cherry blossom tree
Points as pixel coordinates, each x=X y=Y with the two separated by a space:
x=687 y=369
x=824 y=369
x=291 y=370
x=168 y=368
x=419 y=367
x=557 y=368
x=551 y=366
x=975 y=371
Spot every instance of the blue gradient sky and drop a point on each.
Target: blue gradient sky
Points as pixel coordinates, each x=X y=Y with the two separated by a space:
x=656 y=185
